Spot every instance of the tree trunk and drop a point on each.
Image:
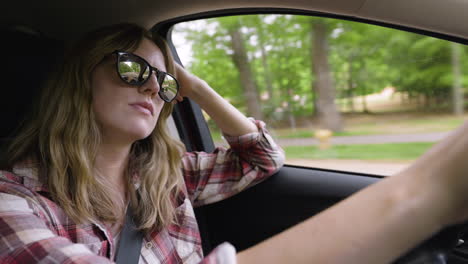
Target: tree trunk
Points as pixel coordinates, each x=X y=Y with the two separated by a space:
x=350 y=82
x=267 y=72
x=242 y=64
x=457 y=93
x=364 y=92
x=326 y=110
x=365 y=109
x=291 y=117
x=315 y=112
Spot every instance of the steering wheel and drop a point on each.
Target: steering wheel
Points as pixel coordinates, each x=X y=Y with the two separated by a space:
x=447 y=246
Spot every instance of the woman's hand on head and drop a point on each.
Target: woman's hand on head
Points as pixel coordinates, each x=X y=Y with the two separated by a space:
x=226 y=116
x=188 y=83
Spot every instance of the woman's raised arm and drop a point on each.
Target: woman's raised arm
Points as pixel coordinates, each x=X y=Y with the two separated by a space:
x=226 y=116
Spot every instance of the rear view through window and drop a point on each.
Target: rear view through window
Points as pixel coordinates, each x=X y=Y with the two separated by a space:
x=335 y=94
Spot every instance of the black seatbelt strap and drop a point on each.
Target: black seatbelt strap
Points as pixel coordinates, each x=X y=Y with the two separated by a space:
x=130 y=241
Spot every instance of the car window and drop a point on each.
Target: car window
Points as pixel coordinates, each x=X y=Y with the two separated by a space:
x=335 y=94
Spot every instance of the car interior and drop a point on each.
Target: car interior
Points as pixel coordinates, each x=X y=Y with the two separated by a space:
x=35 y=34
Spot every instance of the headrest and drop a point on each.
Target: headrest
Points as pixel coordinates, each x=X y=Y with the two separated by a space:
x=26 y=59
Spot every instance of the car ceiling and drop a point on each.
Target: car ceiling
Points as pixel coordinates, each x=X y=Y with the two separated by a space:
x=69 y=19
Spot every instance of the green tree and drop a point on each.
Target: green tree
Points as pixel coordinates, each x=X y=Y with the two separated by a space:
x=241 y=61
x=284 y=67
x=359 y=59
x=323 y=85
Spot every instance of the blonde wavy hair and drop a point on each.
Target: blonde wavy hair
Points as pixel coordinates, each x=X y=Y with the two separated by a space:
x=63 y=135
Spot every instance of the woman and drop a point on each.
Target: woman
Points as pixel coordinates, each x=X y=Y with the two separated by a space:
x=101 y=144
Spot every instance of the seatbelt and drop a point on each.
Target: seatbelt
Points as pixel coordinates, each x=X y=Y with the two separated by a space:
x=130 y=241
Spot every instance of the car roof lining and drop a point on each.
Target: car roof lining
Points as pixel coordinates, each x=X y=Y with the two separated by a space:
x=164 y=27
x=77 y=17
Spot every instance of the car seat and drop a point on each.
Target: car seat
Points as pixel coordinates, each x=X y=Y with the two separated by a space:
x=26 y=60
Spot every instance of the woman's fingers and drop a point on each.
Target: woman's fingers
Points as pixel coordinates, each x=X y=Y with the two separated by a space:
x=186 y=82
x=178 y=99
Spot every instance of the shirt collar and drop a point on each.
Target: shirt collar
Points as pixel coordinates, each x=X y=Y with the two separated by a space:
x=28 y=171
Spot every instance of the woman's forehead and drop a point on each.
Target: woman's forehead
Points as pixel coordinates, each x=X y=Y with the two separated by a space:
x=151 y=53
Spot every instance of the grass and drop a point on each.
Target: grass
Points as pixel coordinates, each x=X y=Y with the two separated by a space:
x=379 y=124
x=393 y=152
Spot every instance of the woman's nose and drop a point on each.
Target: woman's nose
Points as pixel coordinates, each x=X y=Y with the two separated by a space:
x=151 y=86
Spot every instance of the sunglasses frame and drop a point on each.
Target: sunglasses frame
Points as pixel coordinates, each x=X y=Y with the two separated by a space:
x=160 y=75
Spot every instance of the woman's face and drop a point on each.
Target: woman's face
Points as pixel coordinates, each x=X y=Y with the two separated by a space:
x=127 y=113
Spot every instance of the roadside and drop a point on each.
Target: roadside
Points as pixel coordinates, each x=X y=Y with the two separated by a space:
x=366 y=139
x=377 y=167
x=380 y=144
x=382 y=155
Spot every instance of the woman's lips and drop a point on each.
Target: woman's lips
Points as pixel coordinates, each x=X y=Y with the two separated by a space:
x=143 y=108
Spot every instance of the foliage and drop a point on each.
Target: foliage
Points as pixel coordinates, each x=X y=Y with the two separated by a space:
x=364 y=59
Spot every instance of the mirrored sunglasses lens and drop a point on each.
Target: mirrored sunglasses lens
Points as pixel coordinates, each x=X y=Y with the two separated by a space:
x=131 y=72
x=169 y=88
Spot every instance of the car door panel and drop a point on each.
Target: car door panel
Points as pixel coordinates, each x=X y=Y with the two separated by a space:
x=285 y=199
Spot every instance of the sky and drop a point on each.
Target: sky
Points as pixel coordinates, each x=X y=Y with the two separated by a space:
x=183 y=46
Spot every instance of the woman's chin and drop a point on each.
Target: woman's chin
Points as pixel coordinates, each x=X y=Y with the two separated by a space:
x=139 y=131
x=128 y=137
x=140 y=135
x=127 y=134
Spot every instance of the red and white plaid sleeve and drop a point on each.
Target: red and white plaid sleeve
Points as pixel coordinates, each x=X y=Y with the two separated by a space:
x=24 y=233
x=211 y=177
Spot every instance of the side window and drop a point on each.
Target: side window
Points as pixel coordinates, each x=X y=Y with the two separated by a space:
x=335 y=94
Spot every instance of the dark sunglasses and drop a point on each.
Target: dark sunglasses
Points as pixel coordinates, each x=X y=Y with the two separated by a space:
x=135 y=70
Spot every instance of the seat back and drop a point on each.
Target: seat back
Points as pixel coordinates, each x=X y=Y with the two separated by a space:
x=26 y=57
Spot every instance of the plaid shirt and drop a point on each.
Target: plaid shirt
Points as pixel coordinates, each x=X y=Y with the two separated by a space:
x=34 y=229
